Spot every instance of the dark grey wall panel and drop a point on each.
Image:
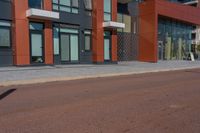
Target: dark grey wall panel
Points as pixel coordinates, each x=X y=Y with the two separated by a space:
x=83 y=22
x=5 y=10
x=6 y=58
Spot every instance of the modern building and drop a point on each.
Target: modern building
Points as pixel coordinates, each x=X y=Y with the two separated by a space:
x=48 y=32
x=161 y=30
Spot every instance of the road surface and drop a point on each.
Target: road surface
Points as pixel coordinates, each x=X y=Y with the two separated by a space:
x=166 y=102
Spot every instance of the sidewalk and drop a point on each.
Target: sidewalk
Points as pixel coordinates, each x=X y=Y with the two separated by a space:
x=30 y=75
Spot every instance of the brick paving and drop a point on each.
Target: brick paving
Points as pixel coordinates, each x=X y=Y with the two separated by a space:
x=14 y=75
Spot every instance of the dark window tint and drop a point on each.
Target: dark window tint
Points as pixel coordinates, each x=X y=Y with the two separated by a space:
x=4 y=37
x=35 y=4
x=71 y=6
x=5 y=31
x=87 y=40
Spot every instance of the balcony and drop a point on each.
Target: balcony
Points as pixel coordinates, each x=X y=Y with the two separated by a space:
x=42 y=14
x=113 y=25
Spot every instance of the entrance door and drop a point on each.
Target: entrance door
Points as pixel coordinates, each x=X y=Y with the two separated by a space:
x=107 y=46
x=69 y=48
x=37 y=55
x=65 y=47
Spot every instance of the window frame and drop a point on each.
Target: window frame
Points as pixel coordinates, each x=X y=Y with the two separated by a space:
x=90 y=36
x=87 y=10
x=10 y=36
x=70 y=7
x=108 y=13
x=42 y=5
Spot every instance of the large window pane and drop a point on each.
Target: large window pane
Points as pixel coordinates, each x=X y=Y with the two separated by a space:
x=4 y=37
x=65 y=47
x=106 y=49
x=75 y=3
x=107 y=17
x=107 y=10
x=88 y=4
x=65 y=2
x=56 y=41
x=74 y=47
x=70 y=6
x=87 y=43
x=36 y=26
x=127 y=21
x=107 y=6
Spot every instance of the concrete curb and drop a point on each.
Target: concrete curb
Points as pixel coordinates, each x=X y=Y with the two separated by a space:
x=46 y=80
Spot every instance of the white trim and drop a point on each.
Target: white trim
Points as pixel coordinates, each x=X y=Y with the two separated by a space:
x=111 y=24
x=42 y=14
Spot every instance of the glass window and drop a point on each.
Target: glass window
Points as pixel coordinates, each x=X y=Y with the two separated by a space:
x=87 y=40
x=71 y=6
x=88 y=4
x=75 y=3
x=36 y=4
x=88 y=7
x=126 y=19
x=65 y=2
x=107 y=10
x=120 y=20
x=36 y=26
x=74 y=48
x=56 y=41
x=175 y=36
x=67 y=30
x=5 y=37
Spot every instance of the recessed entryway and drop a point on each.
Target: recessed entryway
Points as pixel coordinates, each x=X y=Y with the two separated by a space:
x=36 y=43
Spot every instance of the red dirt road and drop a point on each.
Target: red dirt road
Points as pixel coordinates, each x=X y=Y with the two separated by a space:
x=167 y=102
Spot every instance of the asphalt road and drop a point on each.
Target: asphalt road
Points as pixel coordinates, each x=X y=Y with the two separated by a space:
x=166 y=102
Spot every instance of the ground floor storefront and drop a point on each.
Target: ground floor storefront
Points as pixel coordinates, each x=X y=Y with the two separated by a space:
x=48 y=43
x=174 y=39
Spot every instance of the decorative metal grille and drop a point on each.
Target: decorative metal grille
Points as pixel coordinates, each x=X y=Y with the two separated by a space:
x=127 y=47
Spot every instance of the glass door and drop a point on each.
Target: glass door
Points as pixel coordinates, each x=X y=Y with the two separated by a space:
x=65 y=47
x=107 y=46
x=37 y=55
x=74 y=56
x=69 y=47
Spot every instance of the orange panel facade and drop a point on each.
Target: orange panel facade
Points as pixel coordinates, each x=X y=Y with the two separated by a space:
x=21 y=39
x=98 y=31
x=21 y=47
x=48 y=36
x=114 y=32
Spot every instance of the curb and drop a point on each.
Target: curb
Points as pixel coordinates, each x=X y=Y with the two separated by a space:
x=47 y=80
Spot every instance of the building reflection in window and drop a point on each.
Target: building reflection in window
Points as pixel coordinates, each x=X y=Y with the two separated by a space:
x=174 y=39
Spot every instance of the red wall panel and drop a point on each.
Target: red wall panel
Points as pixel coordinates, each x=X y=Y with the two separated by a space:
x=147 y=30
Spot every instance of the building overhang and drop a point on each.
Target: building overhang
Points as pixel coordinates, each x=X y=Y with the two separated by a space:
x=42 y=14
x=191 y=2
x=114 y=25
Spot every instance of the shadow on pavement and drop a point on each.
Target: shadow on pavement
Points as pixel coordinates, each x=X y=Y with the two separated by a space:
x=6 y=93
